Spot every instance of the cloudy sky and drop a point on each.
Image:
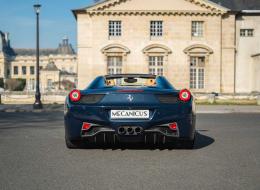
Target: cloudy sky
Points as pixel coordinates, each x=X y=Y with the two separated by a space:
x=18 y=18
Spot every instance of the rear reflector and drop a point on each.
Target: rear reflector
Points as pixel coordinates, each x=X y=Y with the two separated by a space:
x=86 y=126
x=173 y=126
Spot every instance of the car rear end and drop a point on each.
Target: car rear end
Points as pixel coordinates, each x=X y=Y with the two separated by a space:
x=140 y=115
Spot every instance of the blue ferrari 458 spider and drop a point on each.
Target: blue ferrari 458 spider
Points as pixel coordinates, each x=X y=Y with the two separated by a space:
x=130 y=108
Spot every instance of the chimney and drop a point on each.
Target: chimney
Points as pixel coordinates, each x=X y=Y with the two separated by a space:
x=65 y=41
x=7 y=39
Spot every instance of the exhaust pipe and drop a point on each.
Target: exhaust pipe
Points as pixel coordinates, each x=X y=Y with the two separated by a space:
x=138 y=130
x=130 y=130
x=121 y=131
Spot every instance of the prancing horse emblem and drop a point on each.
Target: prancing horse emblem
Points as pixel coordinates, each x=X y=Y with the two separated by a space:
x=130 y=98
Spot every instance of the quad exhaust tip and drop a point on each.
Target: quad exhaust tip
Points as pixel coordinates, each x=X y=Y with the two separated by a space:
x=138 y=130
x=129 y=130
x=121 y=131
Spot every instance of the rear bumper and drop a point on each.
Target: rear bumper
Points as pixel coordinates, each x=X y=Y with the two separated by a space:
x=149 y=129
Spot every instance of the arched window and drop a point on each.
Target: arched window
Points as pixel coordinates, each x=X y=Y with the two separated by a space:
x=198 y=59
x=115 y=56
x=156 y=58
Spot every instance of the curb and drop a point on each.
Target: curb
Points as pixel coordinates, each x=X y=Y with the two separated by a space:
x=226 y=112
x=27 y=111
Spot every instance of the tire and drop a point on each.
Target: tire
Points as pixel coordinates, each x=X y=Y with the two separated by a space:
x=187 y=144
x=72 y=144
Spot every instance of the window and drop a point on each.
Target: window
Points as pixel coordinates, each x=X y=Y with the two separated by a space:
x=156 y=65
x=16 y=70
x=49 y=84
x=24 y=70
x=197 y=28
x=114 y=64
x=71 y=69
x=156 y=28
x=246 y=32
x=114 y=28
x=31 y=85
x=32 y=71
x=197 y=65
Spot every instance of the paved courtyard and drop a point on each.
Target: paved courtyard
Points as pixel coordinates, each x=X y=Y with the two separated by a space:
x=33 y=156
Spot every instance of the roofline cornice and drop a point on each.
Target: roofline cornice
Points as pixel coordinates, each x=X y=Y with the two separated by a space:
x=152 y=12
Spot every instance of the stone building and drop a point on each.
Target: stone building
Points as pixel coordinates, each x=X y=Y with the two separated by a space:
x=248 y=51
x=247 y=62
x=191 y=42
x=57 y=66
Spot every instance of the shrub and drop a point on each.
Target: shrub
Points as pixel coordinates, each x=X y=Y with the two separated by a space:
x=1 y=83
x=15 y=84
x=68 y=85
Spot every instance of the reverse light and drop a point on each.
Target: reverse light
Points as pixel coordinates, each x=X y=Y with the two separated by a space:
x=75 y=95
x=173 y=126
x=86 y=126
x=185 y=95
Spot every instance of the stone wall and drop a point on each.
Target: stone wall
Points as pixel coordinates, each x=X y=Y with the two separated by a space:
x=29 y=98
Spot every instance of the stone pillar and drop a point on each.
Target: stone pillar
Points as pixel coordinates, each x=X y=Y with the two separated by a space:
x=211 y=98
x=258 y=100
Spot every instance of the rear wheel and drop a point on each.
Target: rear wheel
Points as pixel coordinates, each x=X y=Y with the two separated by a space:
x=187 y=144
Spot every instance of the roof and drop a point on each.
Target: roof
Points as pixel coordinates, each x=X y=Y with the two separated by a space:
x=50 y=67
x=30 y=52
x=239 y=5
x=64 y=48
x=233 y=5
x=5 y=44
x=67 y=73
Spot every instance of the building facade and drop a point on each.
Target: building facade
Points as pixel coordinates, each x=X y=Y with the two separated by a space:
x=191 y=42
x=58 y=67
x=248 y=51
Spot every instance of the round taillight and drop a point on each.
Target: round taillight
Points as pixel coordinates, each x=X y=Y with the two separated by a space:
x=75 y=95
x=185 y=95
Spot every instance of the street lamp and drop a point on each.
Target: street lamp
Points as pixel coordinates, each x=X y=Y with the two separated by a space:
x=37 y=104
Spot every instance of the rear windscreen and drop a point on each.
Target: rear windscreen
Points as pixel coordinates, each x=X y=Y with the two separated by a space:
x=130 y=81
